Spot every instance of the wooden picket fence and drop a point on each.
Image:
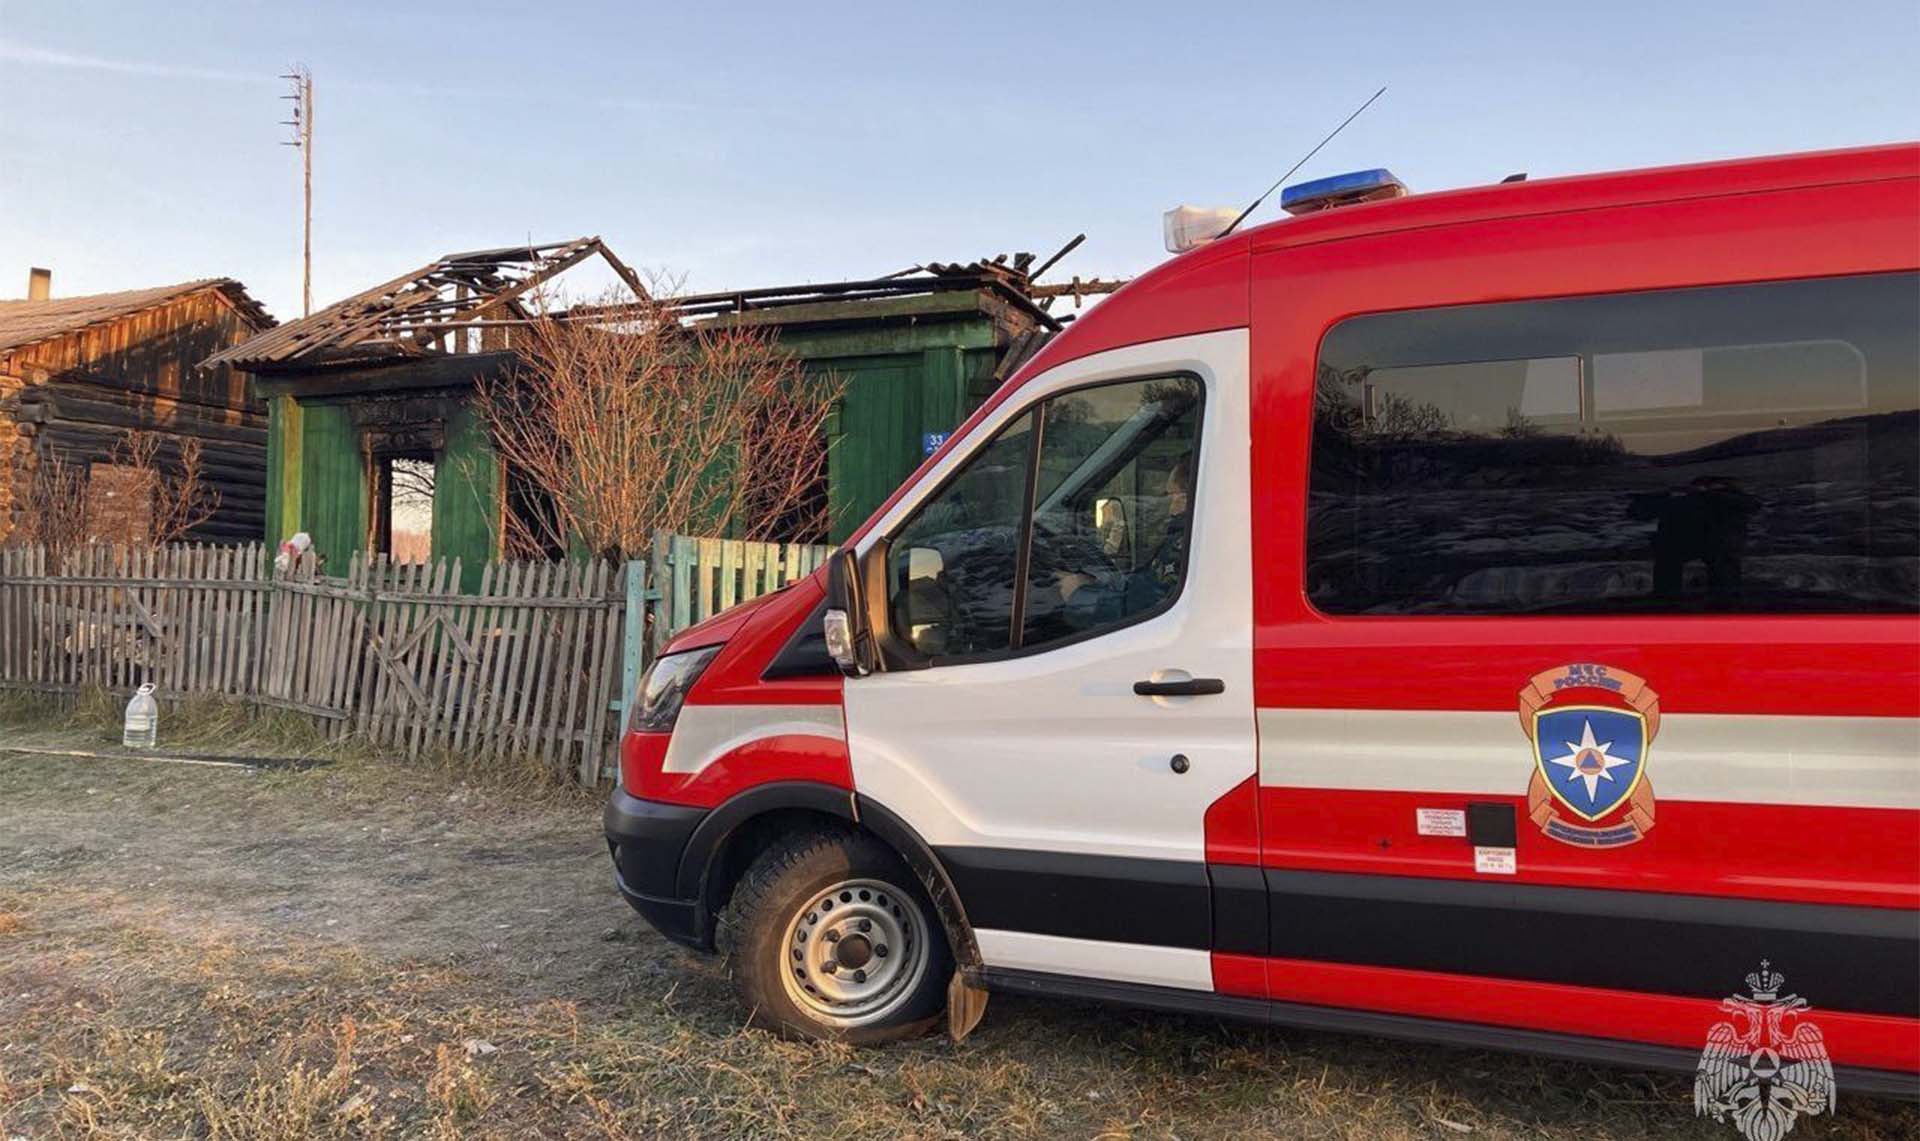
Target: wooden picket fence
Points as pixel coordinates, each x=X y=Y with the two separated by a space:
x=540 y=661
x=695 y=579
x=188 y=619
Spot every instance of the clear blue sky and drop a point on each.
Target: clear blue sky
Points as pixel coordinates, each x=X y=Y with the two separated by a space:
x=749 y=144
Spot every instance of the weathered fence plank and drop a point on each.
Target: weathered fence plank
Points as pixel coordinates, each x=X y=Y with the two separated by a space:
x=542 y=661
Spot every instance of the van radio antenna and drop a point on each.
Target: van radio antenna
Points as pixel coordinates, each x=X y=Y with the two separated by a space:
x=1255 y=205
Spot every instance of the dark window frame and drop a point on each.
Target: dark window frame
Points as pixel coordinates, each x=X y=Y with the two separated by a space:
x=900 y=654
x=1588 y=401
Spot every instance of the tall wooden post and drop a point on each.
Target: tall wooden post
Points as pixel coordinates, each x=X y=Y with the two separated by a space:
x=302 y=124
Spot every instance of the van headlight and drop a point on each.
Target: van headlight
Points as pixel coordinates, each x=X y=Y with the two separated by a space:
x=663 y=688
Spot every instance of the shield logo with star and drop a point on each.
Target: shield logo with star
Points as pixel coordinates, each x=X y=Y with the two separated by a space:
x=1590 y=756
x=1591 y=727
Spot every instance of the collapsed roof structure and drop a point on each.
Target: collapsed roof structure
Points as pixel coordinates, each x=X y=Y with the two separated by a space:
x=441 y=306
x=385 y=375
x=422 y=312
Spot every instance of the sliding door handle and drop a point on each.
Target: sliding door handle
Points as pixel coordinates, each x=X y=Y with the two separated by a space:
x=1191 y=687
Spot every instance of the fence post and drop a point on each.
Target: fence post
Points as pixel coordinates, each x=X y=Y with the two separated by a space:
x=666 y=590
x=634 y=641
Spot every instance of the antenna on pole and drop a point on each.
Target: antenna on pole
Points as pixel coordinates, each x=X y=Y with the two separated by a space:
x=301 y=96
x=1255 y=204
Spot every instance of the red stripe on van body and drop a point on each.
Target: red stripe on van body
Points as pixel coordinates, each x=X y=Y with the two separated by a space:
x=734 y=676
x=1800 y=666
x=1873 y=1040
x=1232 y=825
x=796 y=756
x=1242 y=975
x=1805 y=854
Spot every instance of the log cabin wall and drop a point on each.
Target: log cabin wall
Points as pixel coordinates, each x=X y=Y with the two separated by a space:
x=131 y=362
x=15 y=454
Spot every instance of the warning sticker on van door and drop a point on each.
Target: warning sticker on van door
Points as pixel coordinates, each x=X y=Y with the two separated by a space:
x=1495 y=861
x=1440 y=821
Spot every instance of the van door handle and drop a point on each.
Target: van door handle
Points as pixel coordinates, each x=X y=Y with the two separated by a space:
x=1191 y=687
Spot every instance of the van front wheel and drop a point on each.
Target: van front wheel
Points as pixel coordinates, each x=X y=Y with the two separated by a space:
x=828 y=936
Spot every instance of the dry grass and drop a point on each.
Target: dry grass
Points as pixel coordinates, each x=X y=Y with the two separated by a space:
x=200 y=723
x=213 y=1038
x=208 y=953
x=205 y=724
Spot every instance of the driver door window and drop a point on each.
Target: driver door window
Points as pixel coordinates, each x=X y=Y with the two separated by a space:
x=950 y=570
x=1086 y=501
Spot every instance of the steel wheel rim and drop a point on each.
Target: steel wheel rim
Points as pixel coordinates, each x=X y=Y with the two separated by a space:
x=855 y=952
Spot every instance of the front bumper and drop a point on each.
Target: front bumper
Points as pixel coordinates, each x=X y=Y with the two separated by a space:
x=647 y=840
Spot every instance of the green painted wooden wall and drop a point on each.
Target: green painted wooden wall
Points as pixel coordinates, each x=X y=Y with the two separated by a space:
x=467 y=492
x=903 y=382
x=333 y=484
x=283 y=469
x=875 y=438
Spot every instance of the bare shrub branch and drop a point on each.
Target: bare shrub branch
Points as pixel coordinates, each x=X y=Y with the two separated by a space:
x=56 y=505
x=176 y=495
x=634 y=422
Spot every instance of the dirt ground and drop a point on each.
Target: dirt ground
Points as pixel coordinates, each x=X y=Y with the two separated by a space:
x=366 y=950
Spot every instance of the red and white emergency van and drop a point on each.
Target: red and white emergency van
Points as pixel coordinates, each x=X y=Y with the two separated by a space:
x=1488 y=617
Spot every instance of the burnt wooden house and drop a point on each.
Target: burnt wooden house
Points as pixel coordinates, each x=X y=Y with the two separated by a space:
x=379 y=384
x=78 y=373
x=375 y=389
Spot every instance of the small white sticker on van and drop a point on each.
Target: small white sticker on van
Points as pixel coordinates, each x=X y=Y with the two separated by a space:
x=1495 y=861
x=1441 y=821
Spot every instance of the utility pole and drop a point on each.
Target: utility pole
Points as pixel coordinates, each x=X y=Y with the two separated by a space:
x=302 y=123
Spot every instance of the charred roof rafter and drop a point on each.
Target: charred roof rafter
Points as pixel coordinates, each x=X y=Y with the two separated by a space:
x=409 y=316
x=432 y=310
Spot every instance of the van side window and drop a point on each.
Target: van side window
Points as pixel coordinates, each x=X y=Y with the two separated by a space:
x=1091 y=493
x=951 y=569
x=1741 y=449
x=1113 y=507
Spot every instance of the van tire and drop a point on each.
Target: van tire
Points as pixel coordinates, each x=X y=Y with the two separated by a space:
x=763 y=937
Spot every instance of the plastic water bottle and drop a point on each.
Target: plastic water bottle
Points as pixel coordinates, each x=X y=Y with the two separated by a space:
x=142 y=726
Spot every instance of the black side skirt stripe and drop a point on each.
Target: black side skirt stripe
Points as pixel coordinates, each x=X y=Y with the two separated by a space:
x=1862 y=959
x=1239 y=909
x=1118 y=899
x=1608 y=1051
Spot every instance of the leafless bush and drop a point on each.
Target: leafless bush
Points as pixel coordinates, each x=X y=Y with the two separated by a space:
x=631 y=422
x=176 y=496
x=55 y=509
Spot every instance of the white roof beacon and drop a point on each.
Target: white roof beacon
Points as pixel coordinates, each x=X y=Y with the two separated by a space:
x=1190 y=227
x=1341 y=190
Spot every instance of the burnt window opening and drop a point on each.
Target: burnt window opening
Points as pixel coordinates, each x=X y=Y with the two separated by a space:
x=533 y=524
x=403 y=506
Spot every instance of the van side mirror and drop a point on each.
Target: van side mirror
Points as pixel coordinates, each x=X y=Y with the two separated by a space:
x=849 y=635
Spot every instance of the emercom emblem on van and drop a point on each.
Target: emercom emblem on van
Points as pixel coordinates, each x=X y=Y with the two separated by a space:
x=1592 y=728
x=1767 y=1065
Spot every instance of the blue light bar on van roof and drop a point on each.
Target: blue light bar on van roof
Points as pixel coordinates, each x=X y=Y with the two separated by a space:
x=1341 y=190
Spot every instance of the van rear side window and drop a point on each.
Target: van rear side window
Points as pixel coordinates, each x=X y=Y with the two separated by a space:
x=1740 y=449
